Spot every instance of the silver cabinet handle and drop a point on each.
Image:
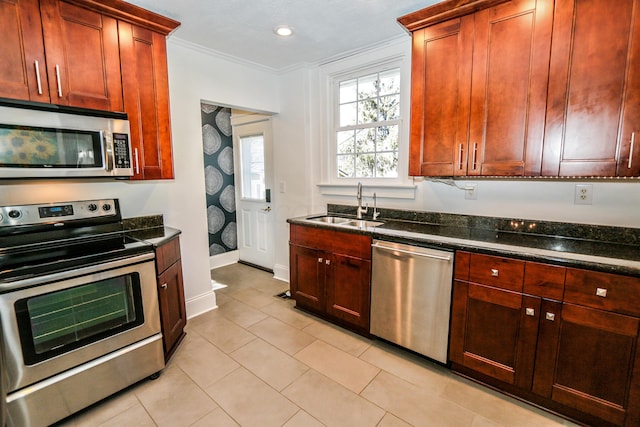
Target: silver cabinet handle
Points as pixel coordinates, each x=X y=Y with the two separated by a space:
x=135 y=155
x=475 y=155
x=460 y=156
x=633 y=141
x=163 y=286
x=530 y=311
x=550 y=317
x=495 y=272
x=58 y=80
x=601 y=292
x=320 y=260
x=328 y=262
x=38 y=77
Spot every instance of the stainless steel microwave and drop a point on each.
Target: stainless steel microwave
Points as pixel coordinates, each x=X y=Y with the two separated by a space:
x=52 y=144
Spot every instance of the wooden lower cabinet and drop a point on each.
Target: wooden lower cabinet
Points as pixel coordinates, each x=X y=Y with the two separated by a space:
x=331 y=275
x=577 y=360
x=173 y=313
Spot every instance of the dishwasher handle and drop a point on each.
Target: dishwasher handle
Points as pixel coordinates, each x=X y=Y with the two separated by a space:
x=386 y=248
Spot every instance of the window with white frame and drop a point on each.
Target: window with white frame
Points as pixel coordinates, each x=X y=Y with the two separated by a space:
x=367 y=124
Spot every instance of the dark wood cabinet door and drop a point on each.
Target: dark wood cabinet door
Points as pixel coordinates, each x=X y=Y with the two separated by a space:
x=173 y=314
x=348 y=289
x=83 y=57
x=307 y=277
x=587 y=359
x=23 y=68
x=440 y=87
x=594 y=89
x=494 y=332
x=509 y=88
x=146 y=100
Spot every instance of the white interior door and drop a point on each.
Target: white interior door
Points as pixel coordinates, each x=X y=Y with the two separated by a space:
x=254 y=178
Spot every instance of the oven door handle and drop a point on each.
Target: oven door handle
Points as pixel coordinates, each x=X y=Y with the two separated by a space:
x=82 y=271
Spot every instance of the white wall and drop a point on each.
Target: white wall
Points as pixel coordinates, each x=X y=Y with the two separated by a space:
x=194 y=75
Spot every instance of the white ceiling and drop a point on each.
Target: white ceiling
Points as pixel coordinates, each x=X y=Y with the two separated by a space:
x=324 y=29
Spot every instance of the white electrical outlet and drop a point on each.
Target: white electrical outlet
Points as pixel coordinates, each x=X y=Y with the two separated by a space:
x=471 y=191
x=583 y=194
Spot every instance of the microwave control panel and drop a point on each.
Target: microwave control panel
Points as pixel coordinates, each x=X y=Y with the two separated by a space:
x=121 y=153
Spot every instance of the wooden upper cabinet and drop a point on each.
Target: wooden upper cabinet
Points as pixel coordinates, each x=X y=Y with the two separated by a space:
x=23 y=73
x=509 y=88
x=146 y=100
x=83 y=58
x=594 y=90
x=440 y=88
x=478 y=91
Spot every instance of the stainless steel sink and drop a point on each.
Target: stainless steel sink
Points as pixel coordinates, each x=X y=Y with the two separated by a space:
x=345 y=222
x=330 y=219
x=361 y=223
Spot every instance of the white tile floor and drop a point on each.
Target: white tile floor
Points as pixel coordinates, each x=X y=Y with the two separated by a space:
x=256 y=361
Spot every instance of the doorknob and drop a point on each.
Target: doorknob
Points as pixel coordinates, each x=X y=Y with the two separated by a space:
x=267 y=209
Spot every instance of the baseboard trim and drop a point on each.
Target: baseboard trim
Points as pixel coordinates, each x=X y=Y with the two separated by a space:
x=281 y=272
x=221 y=260
x=201 y=304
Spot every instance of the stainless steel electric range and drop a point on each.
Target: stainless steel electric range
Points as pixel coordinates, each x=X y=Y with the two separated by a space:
x=78 y=308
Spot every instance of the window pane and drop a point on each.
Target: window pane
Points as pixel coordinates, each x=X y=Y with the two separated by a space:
x=348 y=114
x=368 y=111
x=346 y=142
x=387 y=138
x=389 y=108
x=387 y=165
x=366 y=140
x=252 y=163
x=346 y=168
x=368 y=86
x=348 y=91
x=365 y=146
x=390 y=82
x=365 y=164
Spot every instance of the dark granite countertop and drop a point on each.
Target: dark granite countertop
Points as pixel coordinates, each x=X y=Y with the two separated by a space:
x=149 y=229
x=577 y=248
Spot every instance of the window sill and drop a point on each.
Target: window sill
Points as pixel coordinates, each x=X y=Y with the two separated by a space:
x=406 y=191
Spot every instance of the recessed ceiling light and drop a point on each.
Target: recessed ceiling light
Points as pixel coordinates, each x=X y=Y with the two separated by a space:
x=283 y=30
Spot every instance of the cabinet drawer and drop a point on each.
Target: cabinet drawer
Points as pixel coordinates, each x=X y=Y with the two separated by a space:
x=355 y=245
x=544 y=280
x=606 y=291
x=496 y=271
x=167 y=254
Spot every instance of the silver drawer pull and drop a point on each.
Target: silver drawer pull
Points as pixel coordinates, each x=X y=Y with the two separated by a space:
x=550 y=317
x=163 y=286
x=601 y=292
x=530 y=311
x=494 y=272
x=327 y=262
x=320 y=260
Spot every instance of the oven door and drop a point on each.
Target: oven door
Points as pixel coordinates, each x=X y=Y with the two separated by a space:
x=57 y=322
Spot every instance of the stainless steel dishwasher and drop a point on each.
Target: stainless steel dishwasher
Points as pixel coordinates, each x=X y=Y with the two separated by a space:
x=411 y=297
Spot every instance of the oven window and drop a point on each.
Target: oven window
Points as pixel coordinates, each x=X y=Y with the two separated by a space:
x=38 y=147
x=57 y=322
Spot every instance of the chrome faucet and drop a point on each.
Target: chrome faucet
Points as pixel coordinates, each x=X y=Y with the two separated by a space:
x=360 y=210
x=376 y=214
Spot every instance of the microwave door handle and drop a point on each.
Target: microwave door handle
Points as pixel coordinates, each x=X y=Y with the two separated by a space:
x=108 y=150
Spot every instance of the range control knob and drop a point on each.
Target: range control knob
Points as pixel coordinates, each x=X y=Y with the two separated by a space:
x=106 y=207
x=92 y=207
x=14 y=214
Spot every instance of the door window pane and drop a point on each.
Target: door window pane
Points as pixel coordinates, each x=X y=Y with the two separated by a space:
x=252 y=164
